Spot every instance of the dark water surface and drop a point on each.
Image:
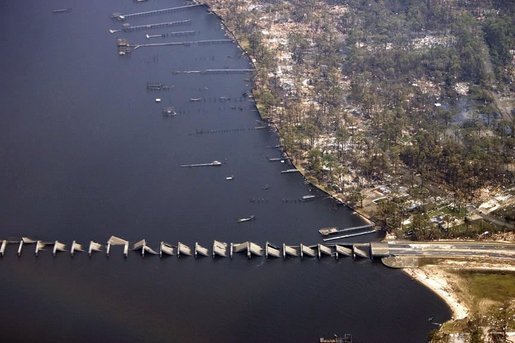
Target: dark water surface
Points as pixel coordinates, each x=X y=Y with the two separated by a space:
x=86 y=153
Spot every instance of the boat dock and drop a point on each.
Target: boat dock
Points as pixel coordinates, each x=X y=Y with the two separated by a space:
x=171 y=34
x=158 y=86
x=278 y=159
x=185 y=43
x=151 y=26
x=351 y=235
x=333 y=230
x=228 y=71
x=214 y=71
x=123 y=17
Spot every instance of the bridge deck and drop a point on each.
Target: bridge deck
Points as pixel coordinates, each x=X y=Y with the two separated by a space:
x=445 y=250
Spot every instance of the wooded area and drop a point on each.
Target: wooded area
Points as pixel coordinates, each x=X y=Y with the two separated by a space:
x=400 y=92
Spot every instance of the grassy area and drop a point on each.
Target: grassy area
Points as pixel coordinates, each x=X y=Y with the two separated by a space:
x=495 y=286
x=456 y=212
x=491 y=297
x=244 y=43
x=446 y=210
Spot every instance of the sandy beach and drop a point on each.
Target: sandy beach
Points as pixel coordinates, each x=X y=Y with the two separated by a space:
x=440 y=279
x=437 y=281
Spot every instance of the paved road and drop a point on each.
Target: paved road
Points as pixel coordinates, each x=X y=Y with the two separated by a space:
x=453 y=249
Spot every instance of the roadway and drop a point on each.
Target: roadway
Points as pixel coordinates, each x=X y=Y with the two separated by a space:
x=453 y=249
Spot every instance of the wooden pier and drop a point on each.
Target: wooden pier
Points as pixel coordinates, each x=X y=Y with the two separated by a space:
x=333 y=230
x=130 y=28
x=228 y=71
x=185 y=43
x=214 y=71
x=350 y=235
x=123 y=17
x=171 y=34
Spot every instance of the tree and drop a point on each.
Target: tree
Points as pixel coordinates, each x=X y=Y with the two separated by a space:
x=342 y=136
x=475 y=330
x=356 y=197
x=315 y=161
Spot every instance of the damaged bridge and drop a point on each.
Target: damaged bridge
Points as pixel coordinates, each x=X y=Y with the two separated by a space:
x=392 y=253
x=218 y=249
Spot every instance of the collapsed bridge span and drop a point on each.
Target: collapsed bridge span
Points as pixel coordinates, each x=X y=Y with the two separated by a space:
x=219 y=249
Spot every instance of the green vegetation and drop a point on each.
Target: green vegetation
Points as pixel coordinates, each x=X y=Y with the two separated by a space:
x=383 y=85
x=496 y=286
x=492 y=304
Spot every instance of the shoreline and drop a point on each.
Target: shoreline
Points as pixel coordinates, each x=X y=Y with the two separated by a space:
x=272 y=124
x=441 y=279
x=438 y=285
x=436 y=281
x=436 y=278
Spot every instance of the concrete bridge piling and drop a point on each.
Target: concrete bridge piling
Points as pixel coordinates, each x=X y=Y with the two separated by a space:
x=400 y=249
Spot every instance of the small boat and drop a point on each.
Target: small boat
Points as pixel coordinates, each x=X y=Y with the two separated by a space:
x=169 y=111
x=211 y=164
x=158 y=100
x=231 y=177
x=308 y=197
x=326 y=231
x=195 y=99
x=288 y=171
x=152 y=36
x=247 y=219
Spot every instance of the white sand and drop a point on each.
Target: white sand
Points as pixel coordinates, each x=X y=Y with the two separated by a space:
x=436 y=281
